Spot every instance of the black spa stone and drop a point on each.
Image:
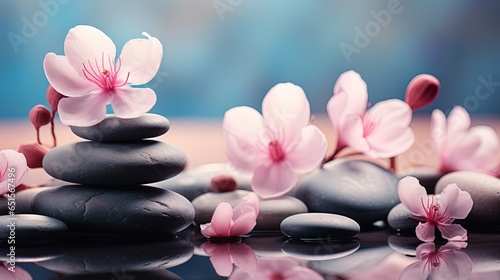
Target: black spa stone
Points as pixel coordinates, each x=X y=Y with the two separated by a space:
x=131 y=211
x=114 y=164
x=114 y=129
x=319 y=226
x=398 y=219
x=357 y=189
x=24 y=198
x=28 y=227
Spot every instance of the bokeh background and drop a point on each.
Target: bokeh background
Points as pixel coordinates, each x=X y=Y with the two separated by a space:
x=215 y=59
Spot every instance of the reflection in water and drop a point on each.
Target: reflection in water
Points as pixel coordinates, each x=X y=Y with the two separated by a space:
x=282 y=269
x=445 y=263
x=18 y=274
x=223 y=255
x=319 y=250
x=127 y=275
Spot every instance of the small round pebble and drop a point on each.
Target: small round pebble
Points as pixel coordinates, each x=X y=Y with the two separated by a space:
x=31 y=227
x=114 y=129
x=319 y=226
x=398 y=219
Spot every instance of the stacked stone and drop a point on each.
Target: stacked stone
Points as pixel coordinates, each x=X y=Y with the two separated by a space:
x=110 y=171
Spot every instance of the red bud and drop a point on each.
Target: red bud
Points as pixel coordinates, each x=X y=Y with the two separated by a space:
x=40 y=116
x=34 y=154
x=422 y=91
x=223 y=183
x=53 y=97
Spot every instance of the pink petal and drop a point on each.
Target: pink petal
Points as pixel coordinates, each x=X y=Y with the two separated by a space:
x=244 y=224
x=354 y=86
x=244 y=257
x=64 y=78
x=11 y=159
x=273 y=180
x=424 y=249
x=422 y=91
x=438 y=130
x=453 y=232
x=460 y=150
x=413 y=196
x=243 y=156
x=335 y=108
x=390 y=144
x=142 y=58
x=207 y=230
x=286 y=105
x=19 y=274
x=220 y=257
x=244 y=123
x=300 y=273
x=486 y=155
x=86 y=110
x=222 y=220
x=454 y=265
x=250 y=203
x=388 y=114
x=352 y=134
x=130 y=102
x=458 y=121
x=309 y=153
x=455 y=201
x=416 y=270
x=86 y=44
x=425 y=232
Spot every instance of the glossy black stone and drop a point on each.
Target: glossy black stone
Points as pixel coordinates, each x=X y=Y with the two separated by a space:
x=114 y=129
x=134 y=211
x=319 y=226
x=31 y=228
x=114 y=164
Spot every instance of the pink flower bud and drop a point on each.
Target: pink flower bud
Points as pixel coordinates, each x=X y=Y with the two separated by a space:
x=223 y=183
x=34 y=154
x=53 y=97
x=40 y=116
x=422 y=91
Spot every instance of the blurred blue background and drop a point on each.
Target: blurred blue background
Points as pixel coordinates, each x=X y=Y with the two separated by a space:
x=223 y=53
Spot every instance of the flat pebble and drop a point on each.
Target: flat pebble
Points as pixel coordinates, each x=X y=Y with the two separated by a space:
x=358 y=189
x=484 y=191
x=114 y=164
x=398 y=219
x=133 y=211
x=319 y=226
x=31 y=228
x=114 y=129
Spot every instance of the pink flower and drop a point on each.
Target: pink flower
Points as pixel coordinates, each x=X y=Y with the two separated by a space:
x=229 y=222
x=13 y=169
x=461 y=147
x=18 y=274
x=445 y=263
x=381 y=132
x=422 y=91
x=283 y=269
x=277 y=144
x=91 y=78
x=452 y=204
x=223 y=255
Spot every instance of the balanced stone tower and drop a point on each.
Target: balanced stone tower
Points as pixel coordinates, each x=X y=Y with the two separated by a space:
x=110 y=170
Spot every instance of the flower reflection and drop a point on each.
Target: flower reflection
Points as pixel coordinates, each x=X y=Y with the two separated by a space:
x=278 y=269
x=445 y=263
x=17 y=274
x=223 y=255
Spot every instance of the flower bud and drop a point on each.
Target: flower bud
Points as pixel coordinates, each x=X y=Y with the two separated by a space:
x=40 y=116
x=34 y=154
x=422 y=91
x=223 y=183
x=53 y=97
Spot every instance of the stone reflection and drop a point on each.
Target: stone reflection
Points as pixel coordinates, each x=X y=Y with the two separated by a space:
x=127 y=275
x=224 y=255
x=447 y=262
x=319 y=250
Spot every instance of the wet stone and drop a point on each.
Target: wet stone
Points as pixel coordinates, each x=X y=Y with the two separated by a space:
x=31 y=228
x=319 y=226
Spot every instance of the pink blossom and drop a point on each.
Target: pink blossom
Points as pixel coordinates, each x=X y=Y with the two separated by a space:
x=224 y=255
x=381 y=132
x=276 y=145
x=229 y=222
x=452 y=204
x=19 y=274
x=446 y=263
x=13 y=169
x=91 y=78
x=283 y=269
x=461 y=147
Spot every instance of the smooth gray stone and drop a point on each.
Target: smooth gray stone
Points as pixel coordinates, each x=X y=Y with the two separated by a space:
x=127 y=275
x=195 y=182
x=357 y=189
x=131 y=211
x=319 y=250
x=114 y=164
x=114 y=129
x=319 y=226
x=4 y=210
x=271 y=213
x=427 y=177
x=398 y=219
x=135 y=255
x=24 y=198
x=484 y=191
x=31 y=228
